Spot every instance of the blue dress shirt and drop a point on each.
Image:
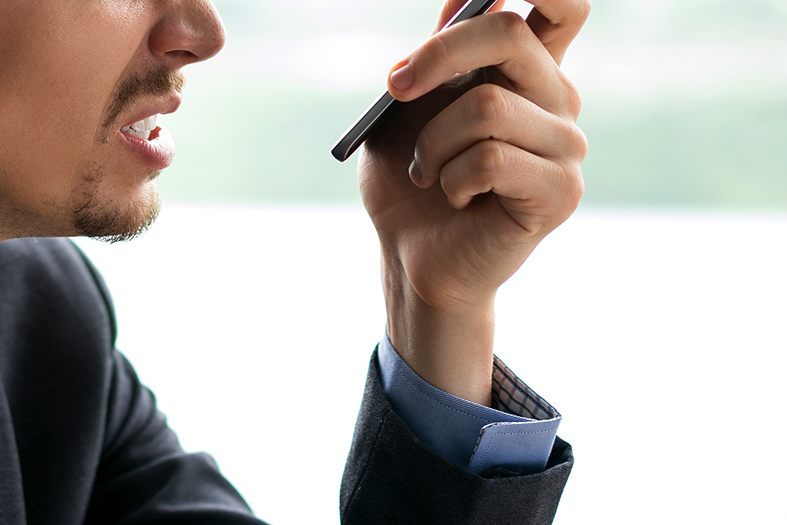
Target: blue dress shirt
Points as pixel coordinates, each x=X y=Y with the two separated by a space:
x=519 y=436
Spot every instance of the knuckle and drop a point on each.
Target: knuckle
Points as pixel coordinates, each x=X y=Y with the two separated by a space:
x=574 y=142
x=487 y=159
x=569 y=178
x=513 y=26
x=491 y=103
x=437 y=49
x=573 y=185
x=580 y=143
x=571 y=101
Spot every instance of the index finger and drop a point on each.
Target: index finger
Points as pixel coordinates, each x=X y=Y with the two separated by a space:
x=503 y=40
x=557 y=22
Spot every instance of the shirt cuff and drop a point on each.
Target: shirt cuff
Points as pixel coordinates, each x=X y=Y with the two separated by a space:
x=517 y=434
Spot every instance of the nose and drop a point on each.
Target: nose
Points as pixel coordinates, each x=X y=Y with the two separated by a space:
x=188 y=31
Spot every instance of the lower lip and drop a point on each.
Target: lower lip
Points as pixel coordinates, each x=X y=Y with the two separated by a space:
x=158 y=152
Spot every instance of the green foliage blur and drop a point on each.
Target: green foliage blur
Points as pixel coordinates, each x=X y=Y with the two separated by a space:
x=685 y=102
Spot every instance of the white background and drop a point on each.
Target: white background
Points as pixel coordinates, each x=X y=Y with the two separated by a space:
x=659 y=336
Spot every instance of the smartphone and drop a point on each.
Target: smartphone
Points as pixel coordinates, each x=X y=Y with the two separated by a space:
x=380 y=108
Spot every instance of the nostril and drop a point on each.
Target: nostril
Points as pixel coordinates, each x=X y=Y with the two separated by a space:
x=186 y=57
x=190 y=31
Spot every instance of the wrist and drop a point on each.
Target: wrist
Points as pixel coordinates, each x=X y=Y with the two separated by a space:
x=449 y=345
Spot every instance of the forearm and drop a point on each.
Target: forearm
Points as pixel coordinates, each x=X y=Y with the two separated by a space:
x=450 y=346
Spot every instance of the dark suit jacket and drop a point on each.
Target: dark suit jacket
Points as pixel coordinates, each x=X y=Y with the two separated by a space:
x=81 y=440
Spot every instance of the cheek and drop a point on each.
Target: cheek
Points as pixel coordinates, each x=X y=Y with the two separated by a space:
x=64 y=60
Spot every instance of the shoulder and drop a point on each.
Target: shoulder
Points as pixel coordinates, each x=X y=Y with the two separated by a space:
x=51 y=281
x=56 y=368
x=47 y=259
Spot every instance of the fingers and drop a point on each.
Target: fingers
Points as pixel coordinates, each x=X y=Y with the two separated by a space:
x=493 y=140
x=514 y=136
x=500 y=39
x=557 y=22
x=521 y=49
x=490 y=112
x=537 y=193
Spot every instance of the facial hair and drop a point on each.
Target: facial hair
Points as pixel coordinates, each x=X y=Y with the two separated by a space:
x=110 y=221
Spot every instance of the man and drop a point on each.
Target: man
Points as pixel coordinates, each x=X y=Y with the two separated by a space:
x=461 y=184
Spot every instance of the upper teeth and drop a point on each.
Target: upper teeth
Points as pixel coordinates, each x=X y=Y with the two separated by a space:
x=142 y=129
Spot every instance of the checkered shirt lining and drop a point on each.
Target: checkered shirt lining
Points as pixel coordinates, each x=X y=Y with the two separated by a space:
x=510 y=394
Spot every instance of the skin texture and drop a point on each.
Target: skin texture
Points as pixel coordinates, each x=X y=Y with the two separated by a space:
x=65 y=169
x=465 y=181
x=461 y=184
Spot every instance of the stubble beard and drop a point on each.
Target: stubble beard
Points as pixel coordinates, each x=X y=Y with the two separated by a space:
x=111 y=221
x=122 y=221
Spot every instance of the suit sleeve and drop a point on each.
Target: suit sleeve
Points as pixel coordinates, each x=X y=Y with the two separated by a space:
x=390 y=477
x=143 y=475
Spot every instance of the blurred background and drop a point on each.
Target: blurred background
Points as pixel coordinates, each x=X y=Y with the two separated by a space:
x=654 y=319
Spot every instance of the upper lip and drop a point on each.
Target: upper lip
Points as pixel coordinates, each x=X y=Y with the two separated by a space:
x=160 y=106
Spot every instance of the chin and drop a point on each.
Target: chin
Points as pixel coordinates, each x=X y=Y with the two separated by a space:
x=116 y=220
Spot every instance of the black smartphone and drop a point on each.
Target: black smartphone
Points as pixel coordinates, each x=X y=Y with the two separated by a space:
x=357 y=133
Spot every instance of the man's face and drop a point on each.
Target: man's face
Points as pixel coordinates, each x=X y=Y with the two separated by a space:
x=79 y=81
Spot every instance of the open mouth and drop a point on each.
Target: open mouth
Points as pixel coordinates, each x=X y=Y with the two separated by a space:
x=151 y=143
x=145 y=129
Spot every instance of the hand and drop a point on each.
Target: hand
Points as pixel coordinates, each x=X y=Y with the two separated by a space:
x=464 y=181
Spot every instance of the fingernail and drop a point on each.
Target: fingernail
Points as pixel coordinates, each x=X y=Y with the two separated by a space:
x=402 y=78
x=415 y=172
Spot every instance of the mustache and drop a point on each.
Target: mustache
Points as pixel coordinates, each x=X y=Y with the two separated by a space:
x=159 y=81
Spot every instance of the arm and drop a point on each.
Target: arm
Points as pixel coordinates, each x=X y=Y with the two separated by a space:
x=144 y=476
x=462 y=183
x=468 y=178
x=393 y=478
x=517 y=435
